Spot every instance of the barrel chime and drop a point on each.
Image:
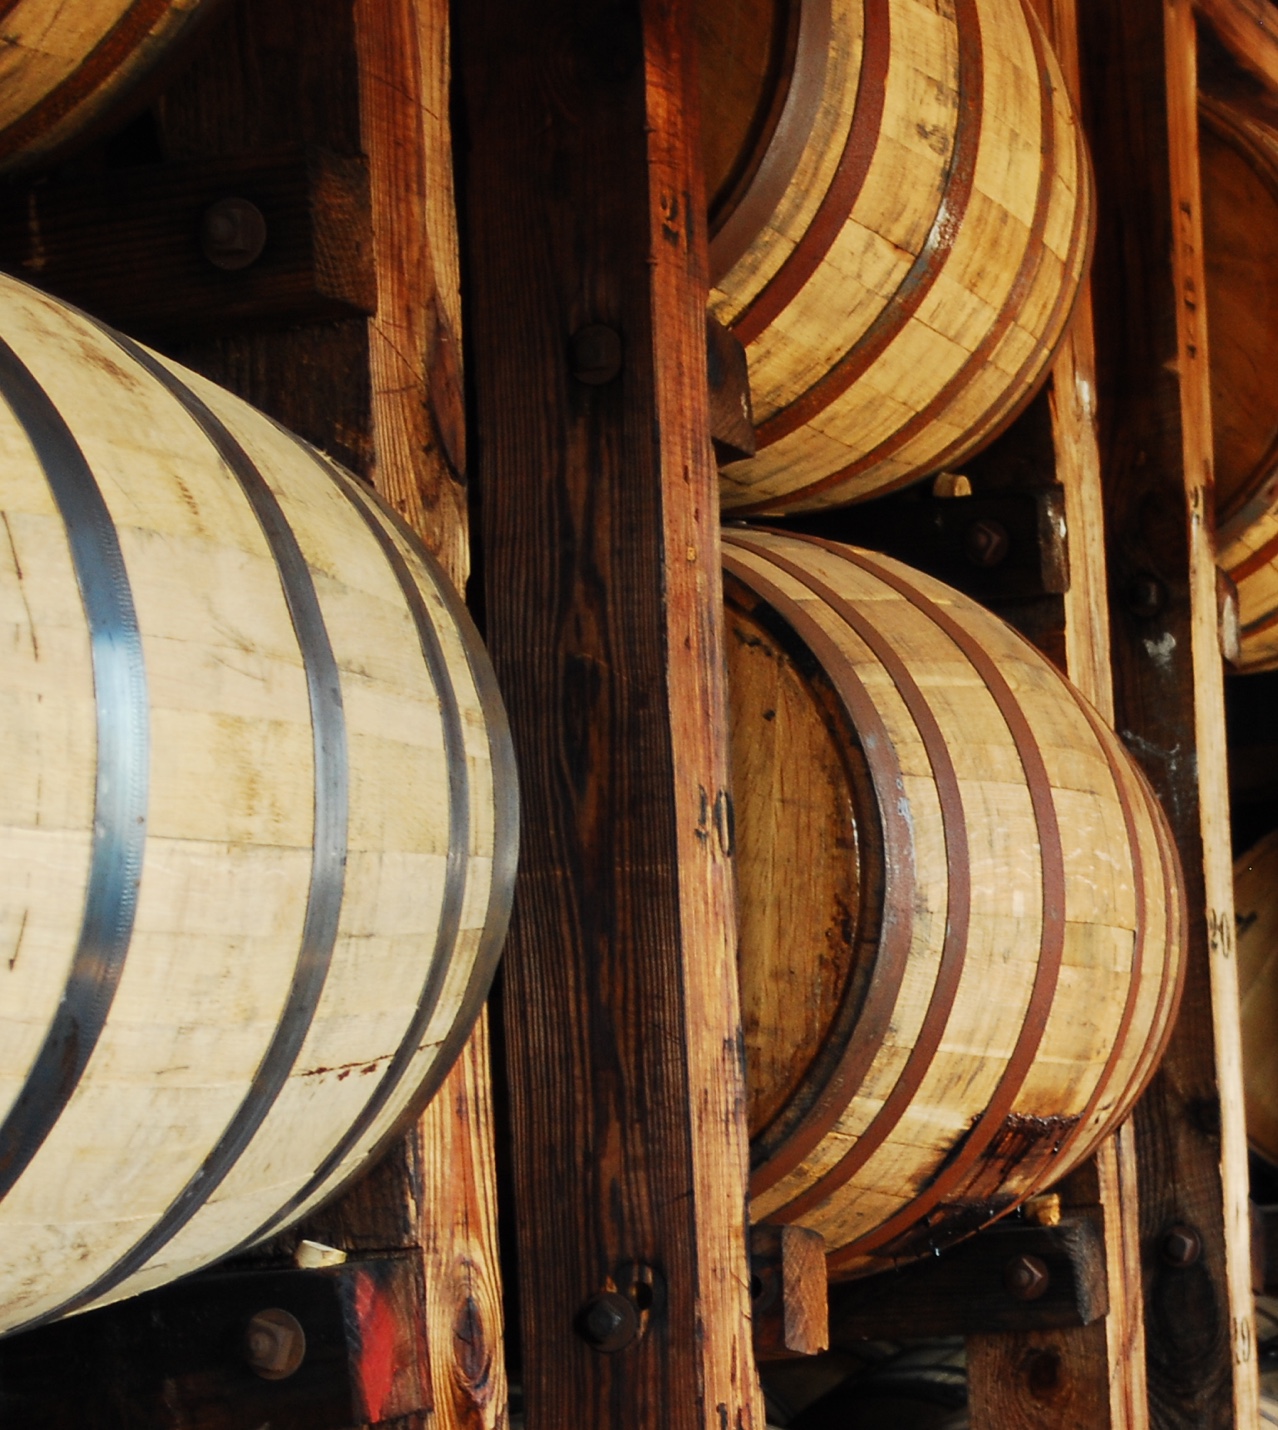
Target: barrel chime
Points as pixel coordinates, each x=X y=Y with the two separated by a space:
x=259 y=848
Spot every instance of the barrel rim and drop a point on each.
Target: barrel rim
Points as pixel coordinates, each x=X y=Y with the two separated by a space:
x=958 y=892
x=872 y=1022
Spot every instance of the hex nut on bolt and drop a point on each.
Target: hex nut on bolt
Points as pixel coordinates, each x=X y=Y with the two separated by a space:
x=1026 y=1278
x=608 y=1321
x=274 y=1344
x=987 y=543
x=232 y=233
x=594 y=354
x=1182 y=1246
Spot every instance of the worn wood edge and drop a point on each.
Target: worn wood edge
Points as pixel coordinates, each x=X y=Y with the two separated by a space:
x=1249 y=31
x=1213 y=784
x=404 y=64
x=696 y=681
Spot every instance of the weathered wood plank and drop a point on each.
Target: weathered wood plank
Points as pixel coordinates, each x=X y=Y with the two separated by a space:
x=419 y=464
x=1139 y=81
x=385 y=396
x=604 y=615
x=1104 y=1362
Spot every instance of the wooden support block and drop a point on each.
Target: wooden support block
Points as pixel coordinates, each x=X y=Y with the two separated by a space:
x=322 y=1349
x=731 y=411
x=1139 y=83
x=1011 y=1277
x=201 y=247
x=788 y=1292
x=993 y=546
x=599 y=520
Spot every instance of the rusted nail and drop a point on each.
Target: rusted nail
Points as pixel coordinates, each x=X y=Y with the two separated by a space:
x=986 y=542
x=1026 y=1278
x=232 y=233
x=1146 y=596
x=1182 y=1246
x=594 y=354
x=608 y=1321
x=274 y=1344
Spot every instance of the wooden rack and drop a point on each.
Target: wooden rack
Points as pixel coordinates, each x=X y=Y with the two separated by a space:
x=592 y=505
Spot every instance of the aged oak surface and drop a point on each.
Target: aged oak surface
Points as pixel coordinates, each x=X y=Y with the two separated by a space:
x=583 y=205
x=1109 y=1355
x=260 y=850
x=1139 y=82
x=384 y=395
x=900 y=220
x=972 y=983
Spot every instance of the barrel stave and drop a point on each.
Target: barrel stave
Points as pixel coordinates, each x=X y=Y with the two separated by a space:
x=325 y=870
x=1036 y=964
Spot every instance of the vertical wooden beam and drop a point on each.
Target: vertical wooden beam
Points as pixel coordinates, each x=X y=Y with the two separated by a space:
x=385 y=397
x=1048 y=1379
x=419 y=462
x=1140 y=87
x=586 y=346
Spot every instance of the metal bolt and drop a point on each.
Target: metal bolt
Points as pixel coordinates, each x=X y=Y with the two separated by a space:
x=1026 y=1278
x=232 y=233
x=274 y=1344
x=608 y=1321
x=987 y=542
x=1146 y=596
x=1182 y=1246
x=594 y=354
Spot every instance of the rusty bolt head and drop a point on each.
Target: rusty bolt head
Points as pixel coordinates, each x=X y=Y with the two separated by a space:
x=232 y=233
x=1182 y=1246
x=594 y=354
x=1026 y=1278
x=987 y=542
x=274 y=1344
x=608 y=1321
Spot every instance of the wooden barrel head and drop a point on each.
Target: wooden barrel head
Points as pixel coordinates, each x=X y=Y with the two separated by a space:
x=962 y=919
x=808 y=859
x=66 y=70
x=1240 y=244
x=1240 y=247
x=748 y=50
x=1256 y=912
x=900 y=218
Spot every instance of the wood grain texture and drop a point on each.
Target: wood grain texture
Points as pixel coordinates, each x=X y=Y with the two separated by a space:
x=1249 y=31
x=1154 y=406
x=418 y=406
x=1257 y=921
x=386 y=396
x=1110 y=1353
x=901 y=298
x=604 y=613
x=978 y=968
x=1239 y=156
x=66 y=70
x=257 y=789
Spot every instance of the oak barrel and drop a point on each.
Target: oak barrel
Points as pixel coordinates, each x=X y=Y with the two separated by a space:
x=901 y=211
x=962 y=918
x=1256 y=912
x=1239 y=163
x=257 y=819
x=65 y=68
